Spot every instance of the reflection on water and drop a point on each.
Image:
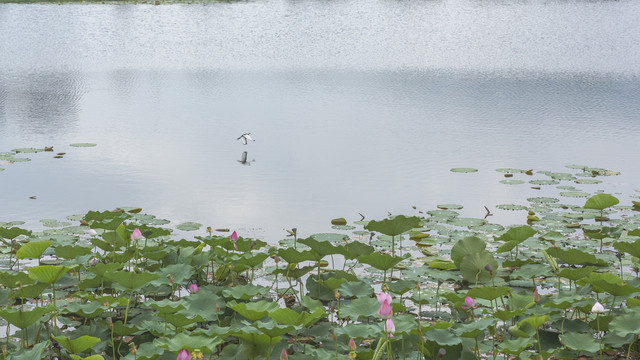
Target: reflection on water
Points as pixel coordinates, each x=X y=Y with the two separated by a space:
x=358 y=107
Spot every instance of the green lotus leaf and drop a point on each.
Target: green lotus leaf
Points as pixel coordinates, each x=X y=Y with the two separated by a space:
x=290 y=317
x=580 y=342
x=27 y=150
x=54 y=223
x=332 y=283
x=254 y=310
x=488 y=292
x=71 y=251
x=23 y=318
x=293 y=256
x=343 y=227
x=322 y=248
x=401 y=286
x=577 y=273
x=611 y=284
x=244 y=292
x=166 y=305
x=442 y=337
x=30 y=291
x=131 y=280
x=395 y=226
x=511 y=207
x=33 y=249
x=89 y=310
x=357 y=331
x=466 y=246
x=574 y=194
x=361 y=307
x=517 y=345
x=512 y=181
x=601 y=202
x=518 y=234
x=464 y=170
x=450 y=206
x=443 y=213
x=382 y=261
x=544 y=182
x=82 y=145
x=354 y=249
x=542 y=200
x=587 y=181
x=475 y=328
x=30 y=354
x=180 y=273
x=330 y=237
x=183 y=340
x=535 y=321
x=188 y=226
x=505 y=315
x=254 y=345
x=12 y=233
x=625 y=324
x=629 y=248
x=530 y=271
x=466 y=222
x=77 y=345
x=355 y=289
x=179 y=320
x=573 y=256
x=472 y=267
x=92 y=357
x=48 y=274
x=339 y=221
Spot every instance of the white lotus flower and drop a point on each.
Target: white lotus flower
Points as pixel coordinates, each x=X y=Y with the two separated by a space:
x=597 y=308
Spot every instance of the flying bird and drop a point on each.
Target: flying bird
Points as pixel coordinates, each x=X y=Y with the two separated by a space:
x=245 y=137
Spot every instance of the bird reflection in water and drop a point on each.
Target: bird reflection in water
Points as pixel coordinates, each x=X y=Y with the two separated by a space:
x=243 y=159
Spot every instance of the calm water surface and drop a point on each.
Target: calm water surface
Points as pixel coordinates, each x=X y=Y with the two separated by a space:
x=356 y=106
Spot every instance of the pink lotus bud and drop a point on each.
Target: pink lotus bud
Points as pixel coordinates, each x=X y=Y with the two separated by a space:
x=385 y=311
x=469 y=303
x=93 y=232
x=536 y=296
x=352 y=345
x=234 y=236
x=390 y=327
x=384 y=296
x=193 y=288
x=283 y=354
x=184 y=355
x=136 y=235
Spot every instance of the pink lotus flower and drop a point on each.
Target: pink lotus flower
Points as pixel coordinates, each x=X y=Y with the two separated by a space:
x=389 y=327
x=234 y=238
x=184 y=355
x=352 y=345
x=283 y=354
x=384 y=296
x=536 y=296
x=136 y=235
x=469 y=303
x=385 y=311
x=93 y=232
x=193 y=288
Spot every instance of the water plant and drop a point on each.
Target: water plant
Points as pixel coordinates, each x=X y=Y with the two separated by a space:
x=561 y=286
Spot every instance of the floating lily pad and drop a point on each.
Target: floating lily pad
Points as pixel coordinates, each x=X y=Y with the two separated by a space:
x=27 y=150
x=82 y=145
x=450 y=206
x=574 y=194
x=188 y=226
x=467 y=222
x=587 y=181
x=512 y=181
x=543 y=200
x=544 y=182
x=510 y=170
x=343 y=227
x=464 y=170
x=511 y=207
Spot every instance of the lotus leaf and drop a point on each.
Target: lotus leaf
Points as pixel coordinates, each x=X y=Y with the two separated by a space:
x=464 y=170
x=188 y=341
x=395 y=226
x=579 y=342
x=77 y=345
x=601 y=202
x=382 y=261
x=253 y=310
x=472 y=266
x=12 y=233
x=131 y=280
x=22 y=319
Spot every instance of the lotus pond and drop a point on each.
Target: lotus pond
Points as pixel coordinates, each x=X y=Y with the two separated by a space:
x=121 y=284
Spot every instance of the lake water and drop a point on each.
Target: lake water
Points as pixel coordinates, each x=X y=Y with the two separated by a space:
x=355 y=106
